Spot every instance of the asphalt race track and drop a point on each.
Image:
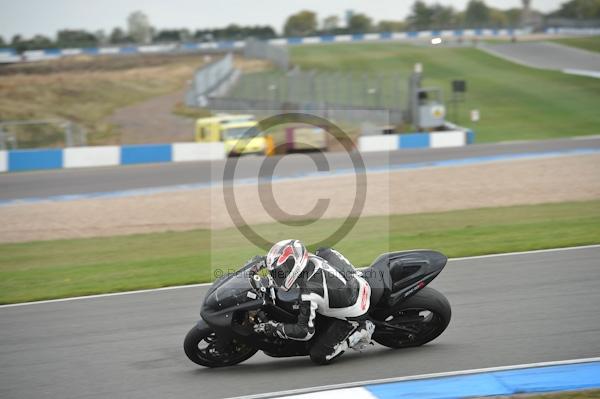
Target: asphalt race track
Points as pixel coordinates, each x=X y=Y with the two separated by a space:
x=547 y=55
x=511 y=309
x=44 y=184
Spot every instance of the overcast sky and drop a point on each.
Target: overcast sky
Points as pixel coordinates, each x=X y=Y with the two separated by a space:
x=29 y=17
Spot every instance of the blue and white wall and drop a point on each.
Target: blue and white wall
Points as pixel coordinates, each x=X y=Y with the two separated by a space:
x=10 y=55
x=390 y=142
x=82 y=157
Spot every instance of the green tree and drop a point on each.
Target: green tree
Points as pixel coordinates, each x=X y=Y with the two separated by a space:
x=359 y=23
x=18 y=43
x=139 y=28
x=391 y=26
x=498 y=18
x=39 y=42
x=579 y=9
x=2 y=42
x=420 y=16
x=301 y=24
x=477 y=14
x=330 y=23
x=513 y=17
x=442 y=17
x=75 y=38
x=118 y=36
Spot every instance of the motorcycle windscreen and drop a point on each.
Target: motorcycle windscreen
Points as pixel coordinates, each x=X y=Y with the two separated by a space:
x=232 y=292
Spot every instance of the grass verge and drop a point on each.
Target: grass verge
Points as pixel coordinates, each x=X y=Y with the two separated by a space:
x=585 y=394
x=63 y=268
x=86 y=92
x=515 y=102
x=590 y=43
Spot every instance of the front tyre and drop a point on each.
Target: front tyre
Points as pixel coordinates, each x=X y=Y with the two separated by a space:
x=426 y=315
x=203 y=347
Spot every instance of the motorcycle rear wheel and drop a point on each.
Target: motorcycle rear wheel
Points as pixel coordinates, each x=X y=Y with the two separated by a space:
x=202 y=346
x=431 y=313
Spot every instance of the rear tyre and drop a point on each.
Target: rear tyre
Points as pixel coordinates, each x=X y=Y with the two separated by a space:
x=426 y=314
x=202 y=346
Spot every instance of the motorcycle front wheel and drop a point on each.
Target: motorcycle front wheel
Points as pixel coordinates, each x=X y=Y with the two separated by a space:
x=426 y=315
x=202 y=346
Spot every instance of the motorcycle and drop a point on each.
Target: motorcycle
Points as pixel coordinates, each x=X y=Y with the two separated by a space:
x=405 y=312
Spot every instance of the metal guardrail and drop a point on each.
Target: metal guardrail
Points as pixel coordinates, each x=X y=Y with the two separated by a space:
x=279 y=56
x=41 y=133
x=209 y=79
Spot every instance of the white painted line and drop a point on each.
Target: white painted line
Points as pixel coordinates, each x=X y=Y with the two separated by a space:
x=590 y=137
x=354 y=393
x=74 y=298
x=536 y=251
x=207 y=284
x=417 y=377
x=582 y=72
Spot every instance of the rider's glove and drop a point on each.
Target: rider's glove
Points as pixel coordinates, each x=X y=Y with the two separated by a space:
x=259 y=263
x=269 y=329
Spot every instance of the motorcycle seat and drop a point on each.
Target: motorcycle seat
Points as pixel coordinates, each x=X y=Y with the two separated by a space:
x=379 y=279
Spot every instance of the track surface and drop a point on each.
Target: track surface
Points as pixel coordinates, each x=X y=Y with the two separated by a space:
x=511 y=309
x=110 y=179
x=546 y=55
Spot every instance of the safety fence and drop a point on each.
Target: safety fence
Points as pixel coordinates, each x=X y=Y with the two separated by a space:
x=212 y=79
x=380 y=90
x=35 y=133
x=277 y=55
x=334 y=112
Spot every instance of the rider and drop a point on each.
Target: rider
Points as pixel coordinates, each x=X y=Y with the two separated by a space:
x=328 y=285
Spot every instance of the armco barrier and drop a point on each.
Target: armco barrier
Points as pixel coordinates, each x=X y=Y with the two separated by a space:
x=81 y=157
x=146 y=153
x=194 y=151
x=3 y=161
x=390 y=142
x=19 y=160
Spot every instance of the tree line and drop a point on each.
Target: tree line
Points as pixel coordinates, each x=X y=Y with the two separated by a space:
x=422 y=16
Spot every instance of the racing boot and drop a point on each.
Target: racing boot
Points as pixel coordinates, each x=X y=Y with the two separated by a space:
x=361 y=337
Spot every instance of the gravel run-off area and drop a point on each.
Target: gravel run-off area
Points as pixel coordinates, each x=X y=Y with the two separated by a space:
x=533 y=181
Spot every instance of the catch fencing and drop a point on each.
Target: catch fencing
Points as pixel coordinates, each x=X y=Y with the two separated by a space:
x=278 y=56
x=23 y=134
x=378 y=99
x=212 y=79
x=354 y=115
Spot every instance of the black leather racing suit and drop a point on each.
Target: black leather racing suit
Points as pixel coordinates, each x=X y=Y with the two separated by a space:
x=332 y=287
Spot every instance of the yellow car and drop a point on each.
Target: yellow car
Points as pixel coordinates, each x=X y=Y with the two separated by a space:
x=237 y=132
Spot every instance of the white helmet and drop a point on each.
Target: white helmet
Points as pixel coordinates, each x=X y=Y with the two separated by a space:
x=285 y=261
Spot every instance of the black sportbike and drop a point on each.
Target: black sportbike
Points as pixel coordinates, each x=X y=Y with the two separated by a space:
x=405 y=312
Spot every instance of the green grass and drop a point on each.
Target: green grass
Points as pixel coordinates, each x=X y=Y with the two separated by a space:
x=86 y=96
x=585 y=394
x=590 y=43
x=515 y=102
x=63 y=268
